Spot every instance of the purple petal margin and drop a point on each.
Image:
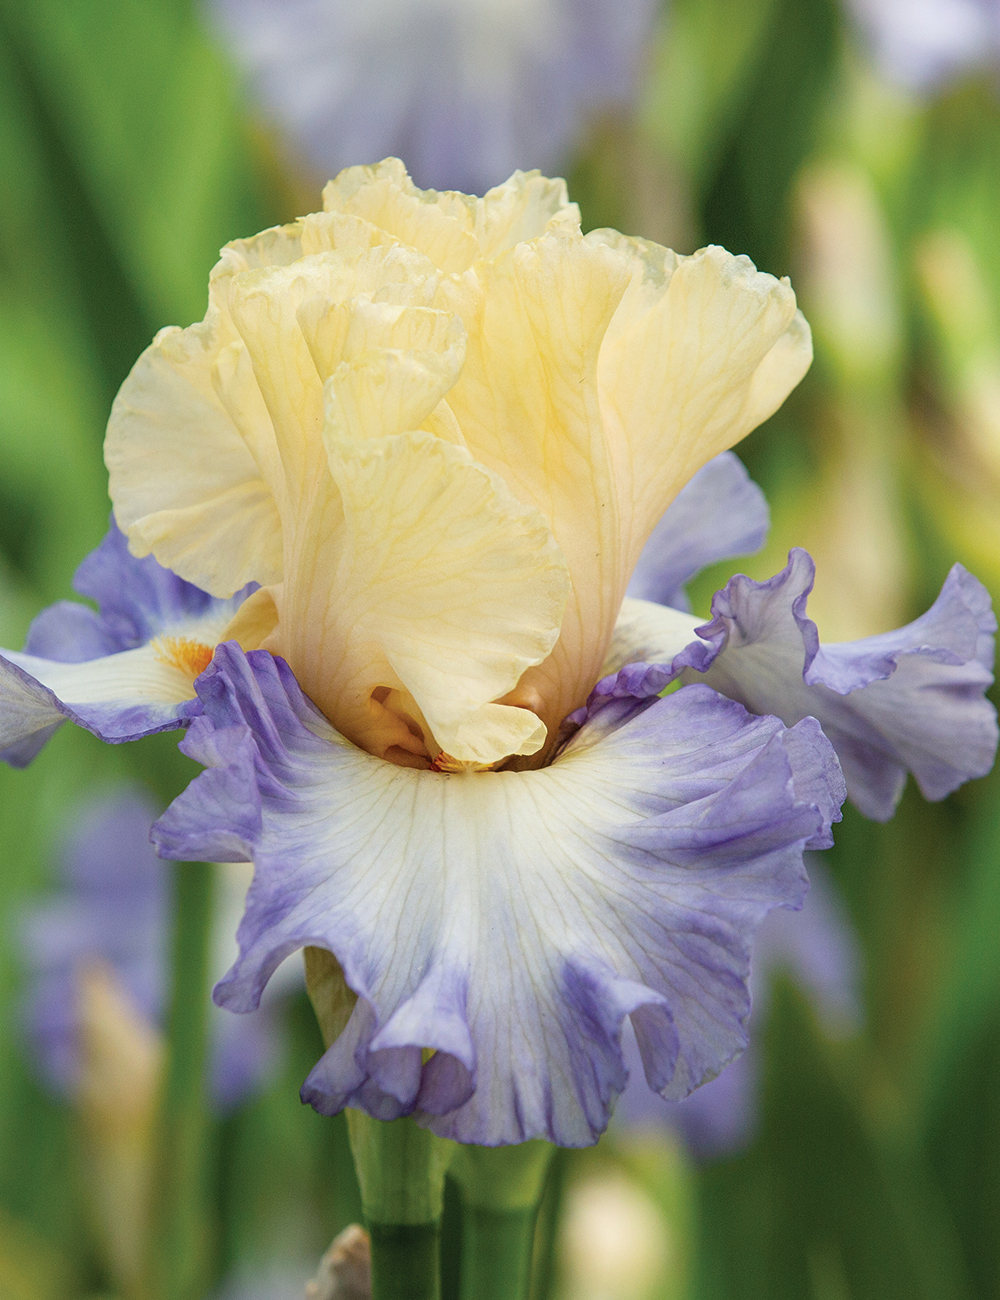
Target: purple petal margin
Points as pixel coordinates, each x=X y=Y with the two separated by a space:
x=508 y=921
x=908 y=700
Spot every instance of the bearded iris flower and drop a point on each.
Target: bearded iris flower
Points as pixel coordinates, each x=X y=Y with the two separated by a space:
x=413 y=420
x=427 y=438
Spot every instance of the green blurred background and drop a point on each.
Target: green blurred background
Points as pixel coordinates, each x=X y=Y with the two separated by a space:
x=128 y=155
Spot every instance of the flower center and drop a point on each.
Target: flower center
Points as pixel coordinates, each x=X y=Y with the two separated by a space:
x=445 y=763
x=189 y=657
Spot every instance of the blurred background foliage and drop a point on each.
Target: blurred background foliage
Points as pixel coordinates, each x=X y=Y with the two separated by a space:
x=129 y=153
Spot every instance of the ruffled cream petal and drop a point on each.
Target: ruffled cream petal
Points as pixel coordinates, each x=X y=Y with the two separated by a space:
x=183 y=480
x=448 y=588
x=454 y=230
x=566 y=387
x=187 y=454
x=719 y=346
x=528 y=406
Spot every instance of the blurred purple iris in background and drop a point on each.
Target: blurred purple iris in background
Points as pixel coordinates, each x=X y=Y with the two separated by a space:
x=922 y=43
x=112 y=904
x=466 y=91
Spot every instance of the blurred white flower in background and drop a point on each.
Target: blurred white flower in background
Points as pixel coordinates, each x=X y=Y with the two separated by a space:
x=465 y=91
x=615 y=1242
x=921 y=43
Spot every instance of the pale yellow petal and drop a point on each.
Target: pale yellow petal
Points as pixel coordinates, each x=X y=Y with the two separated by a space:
x=781 y=370
x=388 y=392
x=236 y=387
x=277 y=246
x=343 y=285
x=492 y=731
x=447 y=588
x=263 y=307
x=438 y=224
x=437 y=430
x=194 y=474
x=322 y=232
x=398 y=364
x=527 y=403
x=219 y=544
x=521 y=209
x=297 y=322
x=718 y=346
x=382 y=325
x=452 y=229
x=184 y=484
x=254 y=621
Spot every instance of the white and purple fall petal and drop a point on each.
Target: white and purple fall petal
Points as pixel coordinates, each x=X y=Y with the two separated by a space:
x=911 y=700
x=818 y=949
x=507 y=922
x=123 y=671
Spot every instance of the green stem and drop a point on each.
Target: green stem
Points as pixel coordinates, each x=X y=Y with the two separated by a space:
x=401 y=1170
x=543 y=1281
x=400 y=1167
x=406 y=1260
x=501 y=1190
x=178 y=1240
x=496 y=1253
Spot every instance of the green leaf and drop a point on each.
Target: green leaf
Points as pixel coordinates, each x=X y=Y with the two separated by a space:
x=150 y=116
x=828 y=1204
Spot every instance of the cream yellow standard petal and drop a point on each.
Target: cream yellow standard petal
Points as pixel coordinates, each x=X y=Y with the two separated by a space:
x=718 y=346
x=184 y=483
x=454 y=230
x=438 y=224
x=398 y=364
x=447 y=588
x=186 y=451
x=528 y=406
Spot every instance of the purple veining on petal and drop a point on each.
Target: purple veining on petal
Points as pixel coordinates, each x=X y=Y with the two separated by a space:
x=470 y=913
x=112 y=903
x=719 y=513
x=464 y=93
x=37 y=712
x=818 y=949
x=909 y=700
x=138 y=601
